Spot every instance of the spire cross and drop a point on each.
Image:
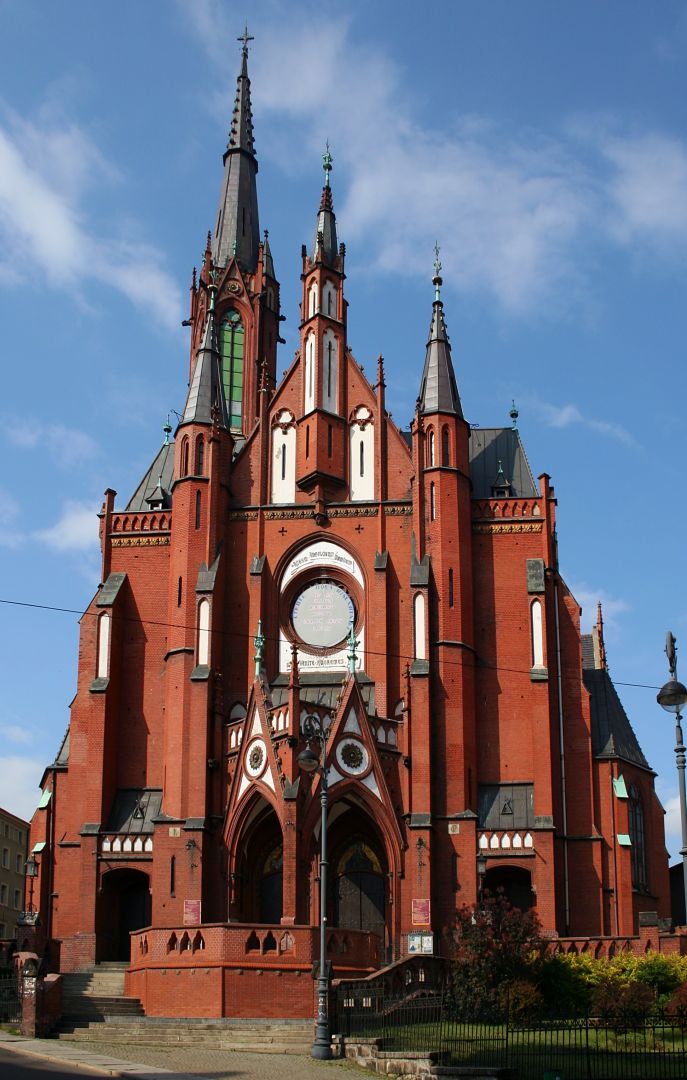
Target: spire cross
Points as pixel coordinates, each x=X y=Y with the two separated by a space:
x=327 y=160
x=245 y=38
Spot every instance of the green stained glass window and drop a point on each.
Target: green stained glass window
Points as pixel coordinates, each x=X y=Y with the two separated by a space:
x=231 y=344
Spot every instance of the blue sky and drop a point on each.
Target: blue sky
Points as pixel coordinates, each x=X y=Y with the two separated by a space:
x=544 y=146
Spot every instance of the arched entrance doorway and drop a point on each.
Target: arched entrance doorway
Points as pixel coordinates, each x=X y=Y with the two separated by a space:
x=358 y=878
x=259 y=867
x=512 y=882
x=124 y=905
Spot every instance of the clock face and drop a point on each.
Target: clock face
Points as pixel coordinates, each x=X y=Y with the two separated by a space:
x=322 y=614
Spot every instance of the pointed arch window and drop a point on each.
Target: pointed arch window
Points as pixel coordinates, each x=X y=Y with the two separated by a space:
x=231 y=347
x=638 y=852
x=204 y=632
x=184 y=456
x=445 y=447
x=362 y=458
x=432 y=502
x=200 y=455
x=430 y=448
x=103 y=666
x=450 y=588
x=198 y=508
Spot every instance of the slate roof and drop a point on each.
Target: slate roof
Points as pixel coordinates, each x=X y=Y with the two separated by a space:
x=488 y=446
x=239 y=198
x=163 y=464
x=62 y=756
x=438 y=389
x=134 y=810
x=612 y=734
x=322 y=689
x=206 y=389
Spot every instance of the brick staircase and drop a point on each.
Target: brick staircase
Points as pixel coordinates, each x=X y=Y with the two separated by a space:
x=95 y=1010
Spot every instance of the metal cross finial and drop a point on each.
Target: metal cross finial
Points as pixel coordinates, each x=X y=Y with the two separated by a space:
x=245 y=38
x=514 y=415
x=437 y=273
x=167 y=430
x=327 y=160
x=671 y=653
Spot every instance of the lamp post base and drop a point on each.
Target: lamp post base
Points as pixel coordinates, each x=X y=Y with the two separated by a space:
x=322 y=1047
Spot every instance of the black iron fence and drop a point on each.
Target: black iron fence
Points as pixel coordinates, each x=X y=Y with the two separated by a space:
x=10 y=1005
x=535 y=1046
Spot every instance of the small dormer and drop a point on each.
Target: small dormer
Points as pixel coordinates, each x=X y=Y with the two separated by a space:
x=501 y=488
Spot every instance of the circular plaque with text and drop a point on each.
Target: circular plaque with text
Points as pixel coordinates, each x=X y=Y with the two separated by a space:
x=322 y=614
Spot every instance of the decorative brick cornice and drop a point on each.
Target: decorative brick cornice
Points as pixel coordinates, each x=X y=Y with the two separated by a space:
x=507 y=526
x=140 y=541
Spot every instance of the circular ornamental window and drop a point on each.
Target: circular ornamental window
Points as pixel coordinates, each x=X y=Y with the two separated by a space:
x=322 y=614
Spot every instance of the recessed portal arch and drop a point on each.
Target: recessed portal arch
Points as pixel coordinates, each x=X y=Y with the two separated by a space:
x=257 y=878
x=123 y=905
x=513 y=882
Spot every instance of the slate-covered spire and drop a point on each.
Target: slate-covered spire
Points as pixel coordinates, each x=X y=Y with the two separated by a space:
x=439 y=390
x=237 y=230
x=325 y=229
x=206 y=391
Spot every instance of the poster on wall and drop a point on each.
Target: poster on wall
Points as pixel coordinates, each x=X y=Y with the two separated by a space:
x=192 y=912
x=421 y=943
x=421 y=912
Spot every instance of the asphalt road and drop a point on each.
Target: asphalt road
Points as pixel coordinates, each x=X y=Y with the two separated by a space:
x=22 y=1067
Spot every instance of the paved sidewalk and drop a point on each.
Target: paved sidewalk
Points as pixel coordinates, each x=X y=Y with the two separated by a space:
x=175 y=1063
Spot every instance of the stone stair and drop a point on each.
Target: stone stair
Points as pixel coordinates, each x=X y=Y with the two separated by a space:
x=97 y=994
x=250 y=1036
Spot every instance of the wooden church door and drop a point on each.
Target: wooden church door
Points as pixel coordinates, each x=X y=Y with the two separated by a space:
x=360 y=891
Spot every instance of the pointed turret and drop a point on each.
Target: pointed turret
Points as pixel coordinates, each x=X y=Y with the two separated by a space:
x=325 y=246
x=439 y=390
x=237 y=232
x=206 y=400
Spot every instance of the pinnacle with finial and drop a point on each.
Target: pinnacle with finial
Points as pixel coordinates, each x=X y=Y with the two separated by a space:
x=436 y=280
x=259 y=643
x=167 y=430
x=327 y=161
x=352 y=646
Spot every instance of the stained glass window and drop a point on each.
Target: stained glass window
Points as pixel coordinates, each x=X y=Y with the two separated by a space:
x=231 y=344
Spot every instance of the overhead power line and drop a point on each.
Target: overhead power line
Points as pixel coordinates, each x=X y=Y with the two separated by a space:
x=571 y=673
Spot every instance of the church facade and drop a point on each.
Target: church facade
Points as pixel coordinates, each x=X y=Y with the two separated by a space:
x=292 y=559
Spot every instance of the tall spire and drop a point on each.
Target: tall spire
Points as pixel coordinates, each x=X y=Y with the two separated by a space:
x=206 y=400
x=325 y=229
x=439 y=391
x=237 y=230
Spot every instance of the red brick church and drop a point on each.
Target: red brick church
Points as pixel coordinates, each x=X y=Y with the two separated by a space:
x=293 y=554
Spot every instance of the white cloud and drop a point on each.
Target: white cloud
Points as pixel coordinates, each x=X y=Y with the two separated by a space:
x=563 y=416
x=612 y=607
x=68 y=446
x=519 y=215
x=20 y=779
x=10 y=537
x=14 y=733
x=673 y=827
x=43 y=175
x=75 y=530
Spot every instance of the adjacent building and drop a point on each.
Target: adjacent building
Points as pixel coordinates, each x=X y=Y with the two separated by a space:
x=14 y=839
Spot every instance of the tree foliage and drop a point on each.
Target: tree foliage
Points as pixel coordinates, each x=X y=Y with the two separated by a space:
x=492 y=947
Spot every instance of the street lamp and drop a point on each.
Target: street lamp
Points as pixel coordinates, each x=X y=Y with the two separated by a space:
x=316 y=729
x=481 y=871
x=31 y=871
x=672 y=697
